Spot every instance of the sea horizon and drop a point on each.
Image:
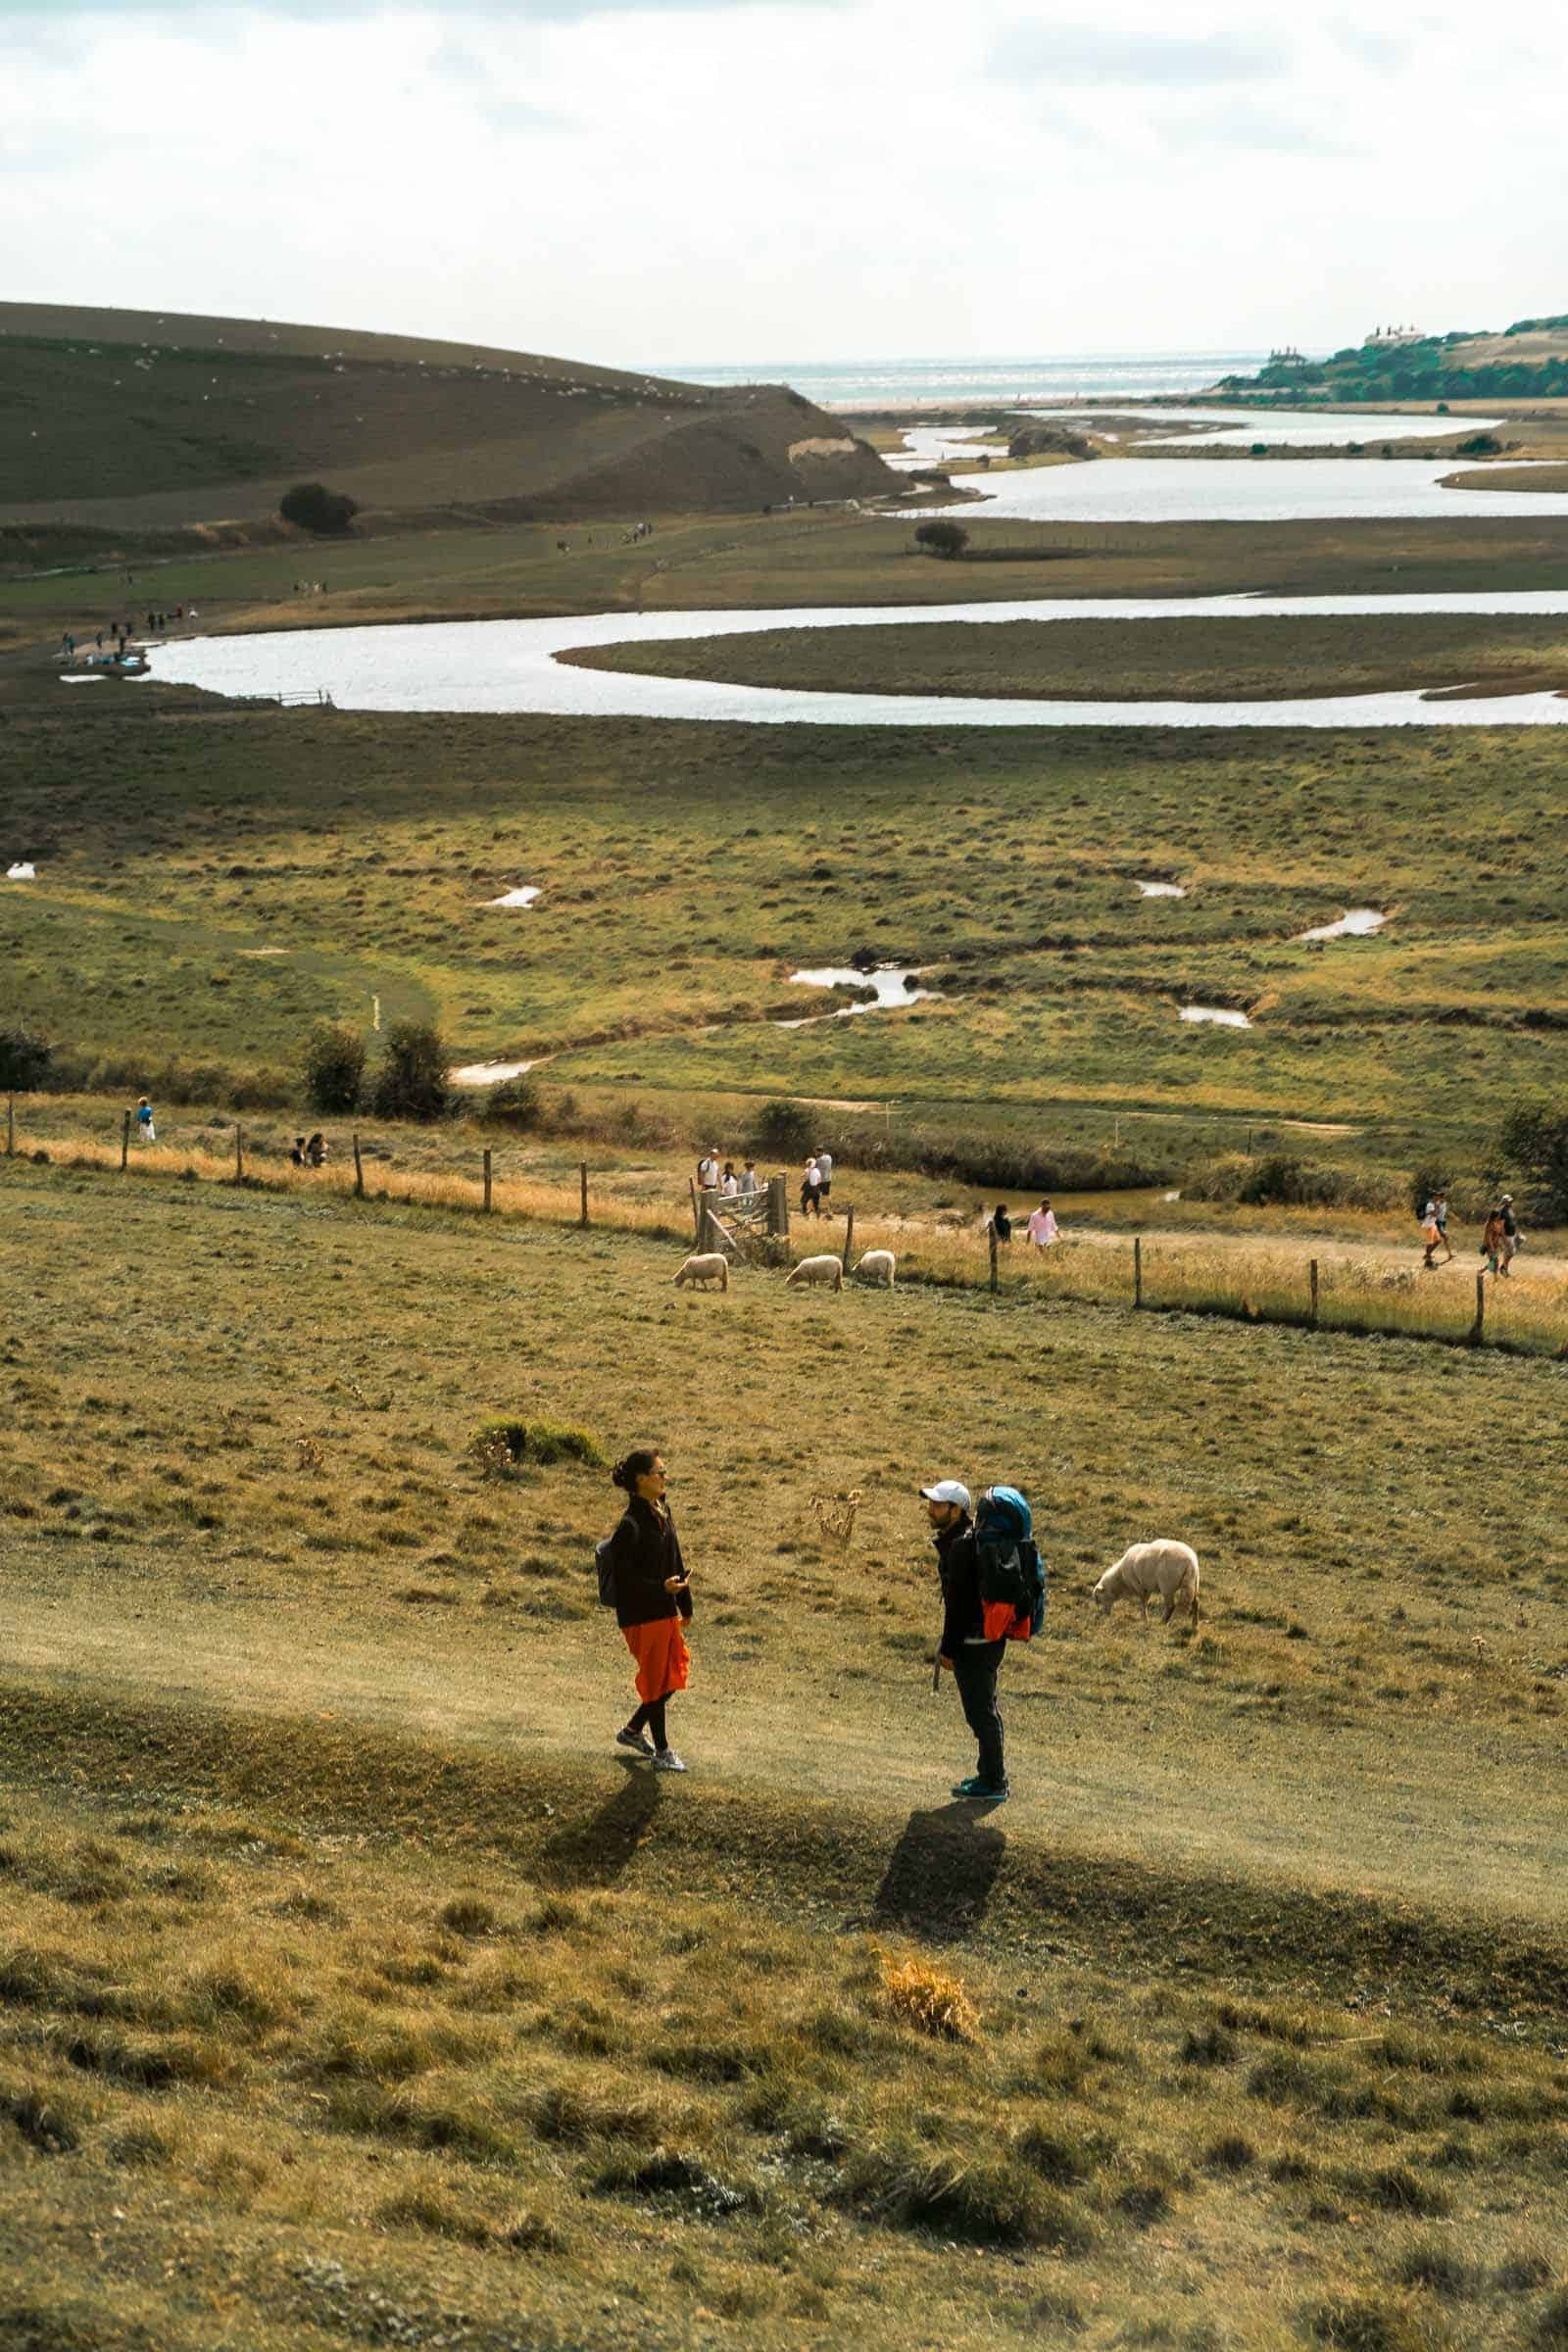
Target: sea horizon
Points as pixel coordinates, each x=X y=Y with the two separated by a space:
x=943 y=383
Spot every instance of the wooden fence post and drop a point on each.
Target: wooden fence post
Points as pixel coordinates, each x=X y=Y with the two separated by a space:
x=125 y=1140
x=697 y=1209
x=582 y=1172
x=995 y=1283
x=487 y=1180
x=358 y=1169
x=239 y=1153
x=1478 y=1327
x=1138 y=1269
x=1314 y=1272
x=849 y=1237
x=778 y=1208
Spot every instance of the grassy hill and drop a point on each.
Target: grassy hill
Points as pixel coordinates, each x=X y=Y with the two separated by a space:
x=351 y=1983
x=1526 y=360
x=140 y=424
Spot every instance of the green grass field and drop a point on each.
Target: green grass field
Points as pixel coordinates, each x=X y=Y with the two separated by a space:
x=1150 y=660
x=214 y=880
x=347 y=1984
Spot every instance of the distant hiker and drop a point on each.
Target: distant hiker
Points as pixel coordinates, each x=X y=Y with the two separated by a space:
x=825 y=1170
x=1431 y=1233
x=1043 y=1228
x=811 y=1189
x=316 y=1149
x=1001 y=1222
x=297 y=1154
x=708 y=1170
x=144 y=1123
x=1511 y=1235
x=750 y=1187
x=1491 y=1241
x=963 y=1650
x=731 y=1183
x=643 y=1578
x=1439 y=1211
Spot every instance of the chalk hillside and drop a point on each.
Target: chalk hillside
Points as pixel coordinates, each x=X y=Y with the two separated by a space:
x=138 y=423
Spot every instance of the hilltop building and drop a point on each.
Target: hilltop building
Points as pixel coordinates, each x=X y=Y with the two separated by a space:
x=1384 y=338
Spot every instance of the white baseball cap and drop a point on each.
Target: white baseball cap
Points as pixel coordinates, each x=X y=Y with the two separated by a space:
x=948 y=1490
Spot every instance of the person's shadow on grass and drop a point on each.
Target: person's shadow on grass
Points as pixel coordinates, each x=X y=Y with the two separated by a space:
x=940 y=1875
x=595 y=1852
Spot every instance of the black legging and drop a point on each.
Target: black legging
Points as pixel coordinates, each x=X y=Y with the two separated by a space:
x=650 y=1716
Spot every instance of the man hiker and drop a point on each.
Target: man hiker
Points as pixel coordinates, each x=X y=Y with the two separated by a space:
x=825 y=1170
x=963 y=1650
x=1510 y=1230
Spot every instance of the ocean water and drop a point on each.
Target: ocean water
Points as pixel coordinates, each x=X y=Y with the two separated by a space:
x=932 y=383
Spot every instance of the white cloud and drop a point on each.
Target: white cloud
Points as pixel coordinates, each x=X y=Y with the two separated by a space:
x=777 y=179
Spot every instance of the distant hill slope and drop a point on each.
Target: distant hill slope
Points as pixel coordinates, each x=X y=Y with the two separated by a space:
x=1528 y=361
x=138 y=421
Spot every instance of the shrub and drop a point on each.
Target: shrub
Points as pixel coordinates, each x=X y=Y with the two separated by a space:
x=411 y=1082
x=543 y=1442
x=334 y=1067
x=24 y=1061
x=785 y=1129
x=1534 y=1140
x=1279 y=1177
x=514 y=1103
x=1480 y=445
x=944 y=539
x=316 y=508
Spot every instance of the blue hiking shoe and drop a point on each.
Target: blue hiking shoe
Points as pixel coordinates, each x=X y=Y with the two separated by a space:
x=983 y=1790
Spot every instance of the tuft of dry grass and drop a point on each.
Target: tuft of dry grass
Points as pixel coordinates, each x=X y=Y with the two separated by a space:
x=928 y=1998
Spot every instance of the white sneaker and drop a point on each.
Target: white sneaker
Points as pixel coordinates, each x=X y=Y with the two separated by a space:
x=635 y=1741
x=666 y=1760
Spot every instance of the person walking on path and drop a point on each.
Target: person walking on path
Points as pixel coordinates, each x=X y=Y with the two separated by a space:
x=1431 y=1233
x=1511 y=1235
x=144 y=1123
x=811 y=1189
x=1001 y=1222
x=653 y=1600
x=708 y=1170
x=963 y=1650
x=1043 y=1228
x=825 y=1170
x=1439 y=1210
x=1491 y=1242
x=749 y=1188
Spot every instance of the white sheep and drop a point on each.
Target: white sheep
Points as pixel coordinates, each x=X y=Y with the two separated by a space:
x=705 y=1266
x=1145 y=1569
x=877 y=1265
x=820 y=1269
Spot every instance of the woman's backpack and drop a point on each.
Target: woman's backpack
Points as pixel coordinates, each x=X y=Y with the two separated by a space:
x=1012 y=1578
x=605 y=1556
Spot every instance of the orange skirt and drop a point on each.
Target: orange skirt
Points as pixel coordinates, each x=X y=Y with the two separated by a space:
x=662 y=1658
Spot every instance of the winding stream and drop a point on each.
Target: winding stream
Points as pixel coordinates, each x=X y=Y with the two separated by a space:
x=514 y=665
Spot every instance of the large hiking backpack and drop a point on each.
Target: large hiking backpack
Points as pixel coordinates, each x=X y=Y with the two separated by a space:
x=1012 y=1578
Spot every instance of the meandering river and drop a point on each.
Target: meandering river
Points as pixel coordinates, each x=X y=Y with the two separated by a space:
x=514 y=665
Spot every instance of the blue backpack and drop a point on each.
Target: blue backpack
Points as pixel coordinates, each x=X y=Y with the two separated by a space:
x=1013 y=1578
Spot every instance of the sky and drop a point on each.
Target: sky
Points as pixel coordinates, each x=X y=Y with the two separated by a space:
x=668 y=181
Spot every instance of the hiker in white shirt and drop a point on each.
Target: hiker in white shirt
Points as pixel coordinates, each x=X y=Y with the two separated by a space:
x=824 y=1170
x=1043 y=1228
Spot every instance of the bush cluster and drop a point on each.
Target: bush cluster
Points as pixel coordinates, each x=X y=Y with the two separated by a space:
x=411 y=1082
x=1279 y=1179
x=313 y=507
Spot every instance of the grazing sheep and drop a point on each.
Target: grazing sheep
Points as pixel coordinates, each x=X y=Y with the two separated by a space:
x=1145 y=1569
x=820 y=1269
x=708 y=1265
x=876 y=1266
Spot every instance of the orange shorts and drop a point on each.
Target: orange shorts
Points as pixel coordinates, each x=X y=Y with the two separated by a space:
x=662 y=1656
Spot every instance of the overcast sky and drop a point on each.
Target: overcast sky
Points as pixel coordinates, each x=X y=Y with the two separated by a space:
x=775 y=180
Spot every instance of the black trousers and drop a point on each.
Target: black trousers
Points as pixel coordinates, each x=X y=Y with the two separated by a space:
x=974 y=1669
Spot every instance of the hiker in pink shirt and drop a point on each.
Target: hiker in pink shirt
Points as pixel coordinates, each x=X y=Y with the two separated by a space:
x=1043 y=1228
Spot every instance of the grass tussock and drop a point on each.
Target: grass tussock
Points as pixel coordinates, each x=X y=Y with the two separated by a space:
x=928 y=1998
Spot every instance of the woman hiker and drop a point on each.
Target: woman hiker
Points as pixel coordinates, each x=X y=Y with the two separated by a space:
x=652 y=1596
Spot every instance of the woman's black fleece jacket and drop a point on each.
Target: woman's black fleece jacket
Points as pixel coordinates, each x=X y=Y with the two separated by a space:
x=643 y=1551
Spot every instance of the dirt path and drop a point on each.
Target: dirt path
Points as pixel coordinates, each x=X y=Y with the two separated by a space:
x=1240 y=1795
